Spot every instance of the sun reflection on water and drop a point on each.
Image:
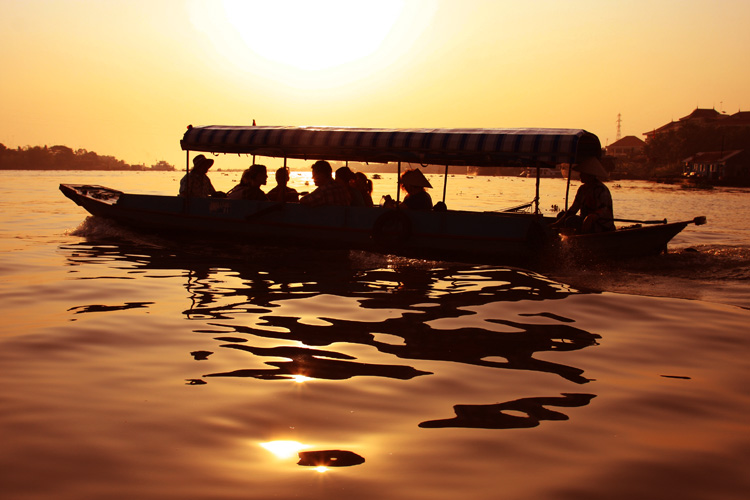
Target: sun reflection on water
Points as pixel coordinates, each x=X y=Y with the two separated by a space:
x=301 y=379
x=319 y=460
x=284 y=449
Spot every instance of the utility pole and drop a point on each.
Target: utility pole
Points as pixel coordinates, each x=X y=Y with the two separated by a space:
x=619 y=126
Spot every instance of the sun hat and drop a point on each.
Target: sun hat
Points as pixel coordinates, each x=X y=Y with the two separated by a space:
x=415 y=178
x=592 y=166
x=202 y=161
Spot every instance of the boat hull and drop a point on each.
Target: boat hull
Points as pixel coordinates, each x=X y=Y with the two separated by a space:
x=509 y=238
x=625 y=243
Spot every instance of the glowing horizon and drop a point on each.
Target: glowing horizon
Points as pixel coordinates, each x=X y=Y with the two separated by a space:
x=125 y=79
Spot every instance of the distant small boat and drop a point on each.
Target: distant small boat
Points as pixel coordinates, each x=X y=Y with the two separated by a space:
x=547 y=173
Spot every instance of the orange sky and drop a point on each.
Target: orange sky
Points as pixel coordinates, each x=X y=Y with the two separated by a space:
x=125 y=77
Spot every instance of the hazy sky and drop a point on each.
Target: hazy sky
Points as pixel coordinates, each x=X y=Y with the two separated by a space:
x=125 y=77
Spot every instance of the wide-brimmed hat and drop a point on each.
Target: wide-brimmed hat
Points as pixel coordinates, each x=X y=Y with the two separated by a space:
x=415 y=178
x=592 y=166
x=202 y=161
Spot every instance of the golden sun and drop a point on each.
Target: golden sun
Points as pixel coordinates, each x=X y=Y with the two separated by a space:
x=312 y=35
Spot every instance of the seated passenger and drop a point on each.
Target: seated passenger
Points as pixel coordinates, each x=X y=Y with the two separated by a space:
x=364 y=186
x=345 y=177
x=196 y=183
x=249 y=187
x=413 y=182
x=328 y=192
x=593 y=199
x=282 y=192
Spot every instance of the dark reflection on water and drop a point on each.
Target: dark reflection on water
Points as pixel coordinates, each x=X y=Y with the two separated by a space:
x=103 y=308
x=316 y=363
x=474 y=345
x=425 y=295
x=329 y=458
x=495 y=416
x=234 y=284
x=464 y=345
x=200 y=355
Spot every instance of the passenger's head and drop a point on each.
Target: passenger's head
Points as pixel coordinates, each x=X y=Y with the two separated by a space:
x=282 y=176
x=256 y=175
x=201 y=163
x=245 y=179
x=321 y=172
x=362 y=182
x=344 y=176
x=414 y=180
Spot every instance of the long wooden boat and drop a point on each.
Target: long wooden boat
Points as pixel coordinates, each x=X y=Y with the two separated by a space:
x=509 y=237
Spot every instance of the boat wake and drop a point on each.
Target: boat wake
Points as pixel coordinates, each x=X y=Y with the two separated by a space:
x=98 y=228
x=705 y=262
x=714 y=273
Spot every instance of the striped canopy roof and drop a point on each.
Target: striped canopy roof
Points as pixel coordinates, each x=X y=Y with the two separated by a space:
x=475 y=147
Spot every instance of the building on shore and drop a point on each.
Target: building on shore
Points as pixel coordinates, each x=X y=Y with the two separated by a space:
x=720 y=167
x=629 y=146
x=703 y=117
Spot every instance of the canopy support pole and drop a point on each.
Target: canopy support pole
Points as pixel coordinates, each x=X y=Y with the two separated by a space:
x=398 y=185
x=567 y=186
x=538 y=182
x=186 y=203
x=445 y=183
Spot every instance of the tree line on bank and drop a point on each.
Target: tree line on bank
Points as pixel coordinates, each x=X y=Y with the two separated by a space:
x=662 y=156
x=65 y=158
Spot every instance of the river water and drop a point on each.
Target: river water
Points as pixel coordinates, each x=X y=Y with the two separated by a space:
x=134 y=367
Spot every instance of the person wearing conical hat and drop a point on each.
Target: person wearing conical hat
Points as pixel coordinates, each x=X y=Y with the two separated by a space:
x=593 y=200
x=413 y=182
